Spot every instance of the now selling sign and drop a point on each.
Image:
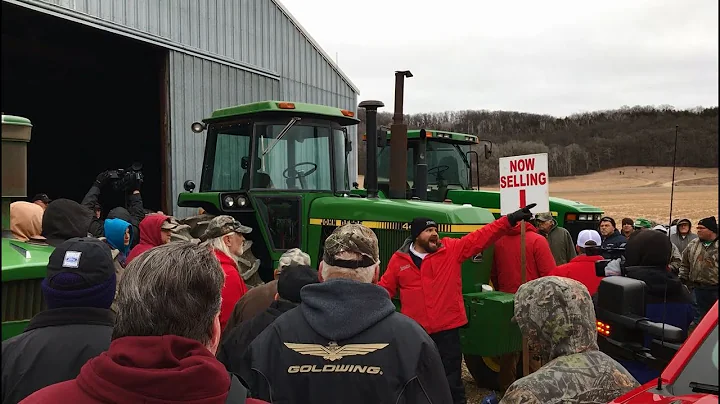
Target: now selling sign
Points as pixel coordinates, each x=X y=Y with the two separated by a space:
x=524 y=180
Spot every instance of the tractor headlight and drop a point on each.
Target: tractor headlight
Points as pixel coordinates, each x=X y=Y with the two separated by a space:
x=241 y=201
x=583 y=217
x=229 y=202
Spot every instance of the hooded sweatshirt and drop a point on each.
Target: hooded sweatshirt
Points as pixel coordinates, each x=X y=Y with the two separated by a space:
x=65 y=219
x=558 y=318
x=149 y=235
x=124 y=214
x=345 y=343
x=115 y=235
x=505 y=274
x=26 y=220
x=680 y=241
x=161 y=369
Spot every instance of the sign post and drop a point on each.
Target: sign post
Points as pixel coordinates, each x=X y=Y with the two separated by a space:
x=524 y=180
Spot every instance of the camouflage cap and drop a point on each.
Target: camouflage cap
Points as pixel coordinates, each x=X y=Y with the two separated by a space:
x=354 y=238
x=544 y=217
x=293 y=256
x=222 y=225
x=557 y=316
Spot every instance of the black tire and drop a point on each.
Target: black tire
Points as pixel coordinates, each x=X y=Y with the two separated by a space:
x=485 y=370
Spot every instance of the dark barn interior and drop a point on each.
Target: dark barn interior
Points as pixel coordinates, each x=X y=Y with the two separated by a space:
x=95 y=100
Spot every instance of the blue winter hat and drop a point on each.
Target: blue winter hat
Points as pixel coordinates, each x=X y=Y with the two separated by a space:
x=115 y=234
x=80 y=273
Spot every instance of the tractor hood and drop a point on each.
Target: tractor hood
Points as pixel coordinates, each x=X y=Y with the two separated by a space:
x=396 y=211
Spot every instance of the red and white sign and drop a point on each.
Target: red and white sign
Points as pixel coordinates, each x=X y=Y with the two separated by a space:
x=524 y=180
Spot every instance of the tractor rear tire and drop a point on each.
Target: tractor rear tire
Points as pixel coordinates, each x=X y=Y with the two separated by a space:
x=486 y=371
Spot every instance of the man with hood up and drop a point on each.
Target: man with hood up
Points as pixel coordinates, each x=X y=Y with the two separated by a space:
x=557 y=317
x=64 y=219
x=683 y=234
x=166 y=333
x=345 y=343
x=667 y=300
x=560 y=240
x=155 y=230
x=427 y=270
x=26 y=220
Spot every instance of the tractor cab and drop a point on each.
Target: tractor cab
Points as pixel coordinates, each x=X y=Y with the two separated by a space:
x=447 y=156
x=264 y=161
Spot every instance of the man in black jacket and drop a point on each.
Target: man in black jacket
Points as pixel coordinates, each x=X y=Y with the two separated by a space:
x=611 y=236
x=289 y=283
x=133 y=213
x=345 y=343
x=79 y=289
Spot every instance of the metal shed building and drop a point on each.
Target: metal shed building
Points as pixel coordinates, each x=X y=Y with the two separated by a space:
x=210 y=54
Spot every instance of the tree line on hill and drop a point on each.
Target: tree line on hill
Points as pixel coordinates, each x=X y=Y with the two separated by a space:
x=581 y=143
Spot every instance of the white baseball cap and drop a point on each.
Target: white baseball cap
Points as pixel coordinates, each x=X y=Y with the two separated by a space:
x=660 y=228
x=588 y=235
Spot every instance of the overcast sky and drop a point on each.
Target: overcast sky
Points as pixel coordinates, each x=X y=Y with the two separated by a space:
x=554 y=57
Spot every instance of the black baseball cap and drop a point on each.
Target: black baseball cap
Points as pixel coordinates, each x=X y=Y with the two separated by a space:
x=88 y=257
x=294 y=278
x=41 y=197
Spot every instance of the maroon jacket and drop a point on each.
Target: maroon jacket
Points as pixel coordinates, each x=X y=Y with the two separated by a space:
x=166 y=369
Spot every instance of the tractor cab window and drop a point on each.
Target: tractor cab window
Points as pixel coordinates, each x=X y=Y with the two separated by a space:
x=299 y=160
x=231 y=152
x=446 y=165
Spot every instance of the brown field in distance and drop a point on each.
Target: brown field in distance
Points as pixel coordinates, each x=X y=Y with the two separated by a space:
x=642 y=192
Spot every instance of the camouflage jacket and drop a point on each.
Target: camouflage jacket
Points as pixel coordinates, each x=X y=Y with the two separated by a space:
x=558 y=318
x=699 y=264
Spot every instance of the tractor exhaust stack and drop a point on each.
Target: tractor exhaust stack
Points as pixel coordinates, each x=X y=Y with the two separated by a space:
x=371 y=172
x=398 y=140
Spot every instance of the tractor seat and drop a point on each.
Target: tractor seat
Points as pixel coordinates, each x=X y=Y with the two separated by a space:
x=262 y=180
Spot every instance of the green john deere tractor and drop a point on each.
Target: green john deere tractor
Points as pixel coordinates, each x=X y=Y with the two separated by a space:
x=448 y=175
x=23 y=264
x=282 y=168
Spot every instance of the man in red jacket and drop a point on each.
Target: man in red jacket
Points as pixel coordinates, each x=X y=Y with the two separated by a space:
x=505 y=274
x=428 y=272
x=167 y=330
x=506 y=277
x=582 y=267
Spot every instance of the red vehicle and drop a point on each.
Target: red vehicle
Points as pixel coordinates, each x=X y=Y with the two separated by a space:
x=692 y=374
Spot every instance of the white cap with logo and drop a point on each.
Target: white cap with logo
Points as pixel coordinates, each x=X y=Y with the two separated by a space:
x=588 y=235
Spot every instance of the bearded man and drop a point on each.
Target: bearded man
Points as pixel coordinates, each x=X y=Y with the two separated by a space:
x=427 y=270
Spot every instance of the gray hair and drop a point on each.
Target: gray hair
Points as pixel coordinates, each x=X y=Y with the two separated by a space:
x=173 y=289
x=218 y=244
x=364 y=274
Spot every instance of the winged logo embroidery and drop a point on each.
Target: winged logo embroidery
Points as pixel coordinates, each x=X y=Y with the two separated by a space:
x=333 y=351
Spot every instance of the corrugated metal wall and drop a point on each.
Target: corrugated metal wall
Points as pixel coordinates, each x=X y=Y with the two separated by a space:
x=217 y=41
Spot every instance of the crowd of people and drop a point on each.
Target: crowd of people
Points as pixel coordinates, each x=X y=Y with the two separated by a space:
x=135 y=314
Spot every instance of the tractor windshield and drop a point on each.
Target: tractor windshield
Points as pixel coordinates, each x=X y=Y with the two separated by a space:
x=302 y=158
x=310 y=155
x=446 y=162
